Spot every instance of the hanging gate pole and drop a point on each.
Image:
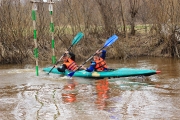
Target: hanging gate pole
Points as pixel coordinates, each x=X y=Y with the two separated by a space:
x=52 y=31
x=34 y=9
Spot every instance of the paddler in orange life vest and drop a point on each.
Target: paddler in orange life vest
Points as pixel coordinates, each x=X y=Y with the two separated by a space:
x=98 y=63
x=68 y=62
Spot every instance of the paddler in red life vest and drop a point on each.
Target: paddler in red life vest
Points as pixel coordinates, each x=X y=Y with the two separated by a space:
x=98 y=63
x=68 y=62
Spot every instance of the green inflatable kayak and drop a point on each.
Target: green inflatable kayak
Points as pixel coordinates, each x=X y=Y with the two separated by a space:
x=120 y=72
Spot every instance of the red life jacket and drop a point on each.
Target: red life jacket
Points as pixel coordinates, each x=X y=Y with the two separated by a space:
x=71 y=65
x=100 y=64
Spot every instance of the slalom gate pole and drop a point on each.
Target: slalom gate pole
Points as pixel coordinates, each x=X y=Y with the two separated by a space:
x=52 y=31
x=34 y=9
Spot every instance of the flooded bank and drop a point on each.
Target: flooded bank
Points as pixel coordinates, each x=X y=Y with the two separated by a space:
x=23 y=95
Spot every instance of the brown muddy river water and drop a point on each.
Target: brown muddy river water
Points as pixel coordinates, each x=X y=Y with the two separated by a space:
x=25 y=96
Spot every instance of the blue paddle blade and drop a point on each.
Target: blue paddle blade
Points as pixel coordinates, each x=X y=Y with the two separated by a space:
x=71 y=74
x=111 y=40
x=77 y=38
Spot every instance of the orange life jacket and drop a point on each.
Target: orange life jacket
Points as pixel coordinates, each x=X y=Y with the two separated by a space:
x=100 y=64
x=71 y=65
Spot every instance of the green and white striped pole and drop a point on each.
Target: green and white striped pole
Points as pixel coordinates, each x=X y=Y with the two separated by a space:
x=52 y=32
x=34 y=9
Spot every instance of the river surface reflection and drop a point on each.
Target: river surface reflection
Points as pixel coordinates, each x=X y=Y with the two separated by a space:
x=23 y=95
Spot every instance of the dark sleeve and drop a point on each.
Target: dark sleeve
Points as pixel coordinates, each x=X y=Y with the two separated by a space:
x=72 y=56
x=62 y=68
x=103 y=55
x=91 y=67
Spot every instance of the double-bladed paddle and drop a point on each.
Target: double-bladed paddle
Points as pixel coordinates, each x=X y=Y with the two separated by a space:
x=108 y=42
x=76 y=39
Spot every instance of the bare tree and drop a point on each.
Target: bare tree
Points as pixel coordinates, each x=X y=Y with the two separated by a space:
x=106 y=9
x=134 y=7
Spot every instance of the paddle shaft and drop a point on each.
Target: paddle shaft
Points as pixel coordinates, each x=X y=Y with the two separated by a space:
x=60 y=58
x=108 y=42
x=89 y=58
x=63 y=55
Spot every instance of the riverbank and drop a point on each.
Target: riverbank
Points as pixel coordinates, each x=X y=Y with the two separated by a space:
x=124 y=48
x=149 y=45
